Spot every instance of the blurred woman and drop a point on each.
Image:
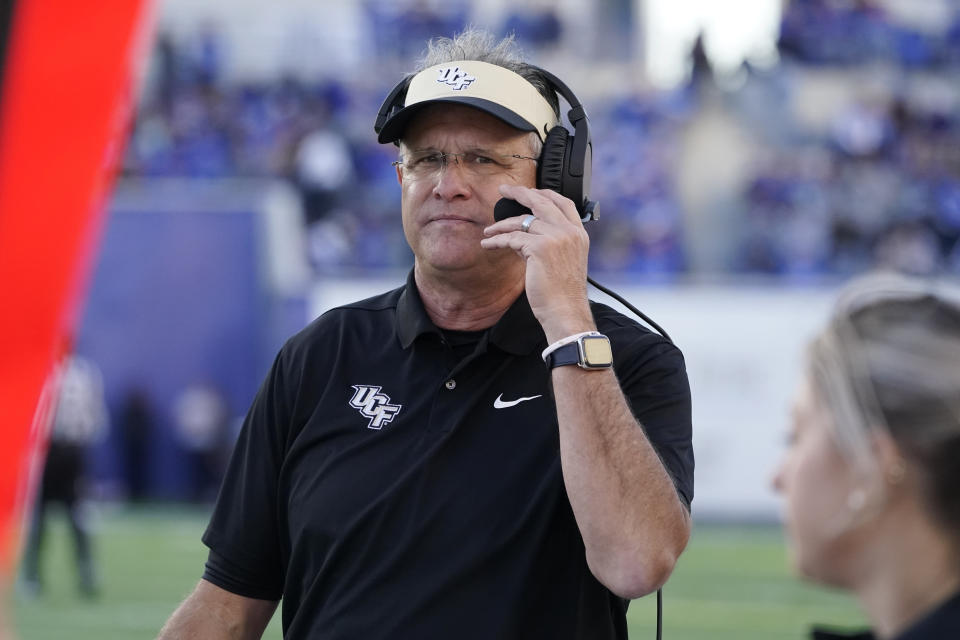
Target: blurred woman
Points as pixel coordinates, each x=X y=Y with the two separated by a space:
x=871 y=478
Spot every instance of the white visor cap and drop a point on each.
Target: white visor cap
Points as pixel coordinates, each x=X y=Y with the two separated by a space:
x=488 y=87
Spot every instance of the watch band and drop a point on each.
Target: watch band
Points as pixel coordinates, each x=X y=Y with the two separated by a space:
x=563 y=355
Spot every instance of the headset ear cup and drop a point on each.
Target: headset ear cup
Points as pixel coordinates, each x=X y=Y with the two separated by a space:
x=551 y=170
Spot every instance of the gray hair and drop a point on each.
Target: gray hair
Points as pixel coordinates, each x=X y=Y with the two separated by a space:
x=477 y=44
x=890 y=360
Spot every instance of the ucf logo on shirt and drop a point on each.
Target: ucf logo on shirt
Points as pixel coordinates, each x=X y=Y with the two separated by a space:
x=374 y=405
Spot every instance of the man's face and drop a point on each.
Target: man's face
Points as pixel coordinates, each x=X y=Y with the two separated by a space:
x=445 y=211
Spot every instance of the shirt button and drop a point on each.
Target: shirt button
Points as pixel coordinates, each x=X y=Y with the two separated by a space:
x=451 y=384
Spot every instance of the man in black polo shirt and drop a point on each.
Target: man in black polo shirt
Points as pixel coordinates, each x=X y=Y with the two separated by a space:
x=481 y=453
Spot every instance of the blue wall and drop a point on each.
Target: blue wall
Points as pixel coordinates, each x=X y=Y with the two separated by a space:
x=176 y=299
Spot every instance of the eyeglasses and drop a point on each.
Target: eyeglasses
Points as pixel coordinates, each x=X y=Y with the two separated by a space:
x=429 y=163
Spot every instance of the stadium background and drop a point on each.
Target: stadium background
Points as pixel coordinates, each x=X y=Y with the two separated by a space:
x=742 y=177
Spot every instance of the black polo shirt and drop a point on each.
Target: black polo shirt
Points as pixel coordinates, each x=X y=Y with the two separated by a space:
x=393 y=481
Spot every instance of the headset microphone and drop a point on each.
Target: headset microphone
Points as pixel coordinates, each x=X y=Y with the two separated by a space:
x=507 y=208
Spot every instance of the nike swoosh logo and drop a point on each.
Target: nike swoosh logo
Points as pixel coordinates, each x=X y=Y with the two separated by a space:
x=499 y=403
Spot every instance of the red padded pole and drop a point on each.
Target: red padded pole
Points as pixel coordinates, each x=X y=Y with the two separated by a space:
x=65 y=103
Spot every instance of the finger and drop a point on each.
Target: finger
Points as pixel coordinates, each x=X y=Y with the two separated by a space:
x=519 y=241
x=565 y=204
x=508 y=225
x=537 y=226
x=542 y=206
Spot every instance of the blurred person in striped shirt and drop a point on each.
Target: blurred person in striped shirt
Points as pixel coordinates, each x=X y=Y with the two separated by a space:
x=80 y=419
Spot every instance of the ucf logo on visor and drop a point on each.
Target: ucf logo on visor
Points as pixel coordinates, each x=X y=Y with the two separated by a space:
x=458 y=80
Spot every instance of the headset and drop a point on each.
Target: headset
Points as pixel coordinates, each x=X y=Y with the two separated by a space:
x=566 y=160
x=564 y=166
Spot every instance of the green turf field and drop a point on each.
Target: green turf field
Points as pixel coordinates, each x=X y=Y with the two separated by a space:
x=731 y=584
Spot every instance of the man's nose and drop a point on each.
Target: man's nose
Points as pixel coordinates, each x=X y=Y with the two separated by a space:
x=452 y=179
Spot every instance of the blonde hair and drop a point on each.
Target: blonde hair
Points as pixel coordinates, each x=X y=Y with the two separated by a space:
x=889 y=359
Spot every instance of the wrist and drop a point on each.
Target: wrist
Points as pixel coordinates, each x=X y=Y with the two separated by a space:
x=557 y=327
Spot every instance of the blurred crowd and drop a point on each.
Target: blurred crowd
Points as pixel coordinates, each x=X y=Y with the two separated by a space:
x=858 y=32
x=879 y=184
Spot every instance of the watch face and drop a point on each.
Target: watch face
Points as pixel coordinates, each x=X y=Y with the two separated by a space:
x=596 y=351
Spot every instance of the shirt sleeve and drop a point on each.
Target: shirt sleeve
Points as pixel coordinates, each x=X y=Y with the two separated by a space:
x=244 y=535
x=653 y=376
x=237 y=579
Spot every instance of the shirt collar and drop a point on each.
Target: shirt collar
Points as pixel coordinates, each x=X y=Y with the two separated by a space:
x=412 y=318
x=517 y=332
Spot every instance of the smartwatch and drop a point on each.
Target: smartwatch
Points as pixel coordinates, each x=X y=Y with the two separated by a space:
x=590 y=350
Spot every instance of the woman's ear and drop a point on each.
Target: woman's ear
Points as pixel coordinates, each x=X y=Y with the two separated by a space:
x=889 y=458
